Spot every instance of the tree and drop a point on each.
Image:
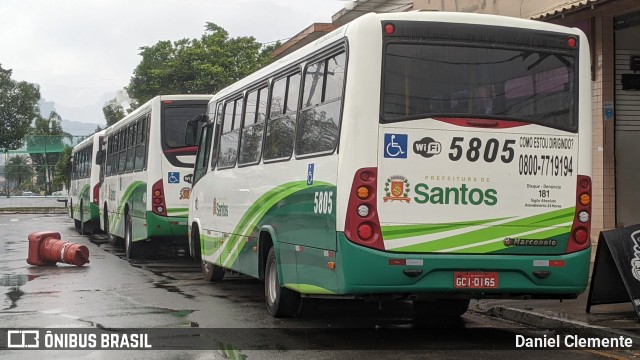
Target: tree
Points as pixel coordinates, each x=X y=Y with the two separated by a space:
x=61 y=177
x=18 y=172
x=45 y=147
x=113 y=112
x=196 y=66
x=18 y=108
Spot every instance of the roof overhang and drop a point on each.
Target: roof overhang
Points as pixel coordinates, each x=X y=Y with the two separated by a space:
x=568 y=7
x=306 y=36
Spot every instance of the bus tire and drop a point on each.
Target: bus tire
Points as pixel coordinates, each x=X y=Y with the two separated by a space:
x=281 y=302
x=441 y=308
x=212 y=273
x=113 y=240
x=82 y=229
x=133 y=250
x=194 y=243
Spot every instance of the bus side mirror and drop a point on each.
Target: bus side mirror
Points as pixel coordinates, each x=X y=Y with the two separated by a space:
x=191 y=132
x=188 y=178
x=99 y=157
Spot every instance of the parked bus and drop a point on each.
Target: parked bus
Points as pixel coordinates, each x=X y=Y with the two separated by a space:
x=144 y=196
x=426 y=156
x=84 y=191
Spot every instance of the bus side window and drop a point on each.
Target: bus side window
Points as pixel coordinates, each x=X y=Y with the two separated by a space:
x=253 y=129
x=230 y=134
x=131 y=131
x=140 y=150
x=282 y=116
x=319 y=124
x=123 y=150
x=202 y=157
x=217 y=121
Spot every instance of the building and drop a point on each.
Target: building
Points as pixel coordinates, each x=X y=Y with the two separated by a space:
x=613 y=27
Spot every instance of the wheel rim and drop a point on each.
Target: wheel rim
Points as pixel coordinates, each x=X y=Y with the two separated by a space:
x=127 y=235
x=272 y=278
x=206 y=269
x=81 y=220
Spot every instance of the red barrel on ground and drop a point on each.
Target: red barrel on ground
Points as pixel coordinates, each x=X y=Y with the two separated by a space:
x=46 y=248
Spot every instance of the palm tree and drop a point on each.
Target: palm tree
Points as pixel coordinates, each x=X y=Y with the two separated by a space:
x=18 y=170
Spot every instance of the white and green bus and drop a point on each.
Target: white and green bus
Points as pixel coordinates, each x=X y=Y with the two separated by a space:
x=144 y=195
x=428 y=156
x=84 y=188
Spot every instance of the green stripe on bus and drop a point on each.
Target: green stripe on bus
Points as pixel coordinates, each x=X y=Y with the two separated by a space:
x=553 y=218
x=499 y=245
x=404 y=231
x=173 y=211
x=123 y=202
x=256 y=212
x=309 y=289
x=83 y=195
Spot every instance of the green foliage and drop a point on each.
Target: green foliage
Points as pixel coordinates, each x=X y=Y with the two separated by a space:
x=113 y=112
x=18 y=172
x=18 y=108
x=62 y=172
x=196 y=66
x=50 y=131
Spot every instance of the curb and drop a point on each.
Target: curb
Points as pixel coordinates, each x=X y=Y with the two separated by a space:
x=550 y=322
x=55 y=210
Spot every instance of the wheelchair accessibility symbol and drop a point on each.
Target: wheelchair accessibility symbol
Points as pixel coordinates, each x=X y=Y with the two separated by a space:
x=395 y=146
x=174 y=177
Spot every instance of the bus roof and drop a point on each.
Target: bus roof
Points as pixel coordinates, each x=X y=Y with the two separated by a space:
x=434 y=16
x=87 y=140
x=142 y=108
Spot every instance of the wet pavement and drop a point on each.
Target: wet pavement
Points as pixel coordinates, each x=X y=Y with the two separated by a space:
x=168 y=292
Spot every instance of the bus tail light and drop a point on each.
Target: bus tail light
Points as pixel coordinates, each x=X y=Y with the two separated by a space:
x=158 y=205
x=362 y=226
x=96 y=194
x=579 y=238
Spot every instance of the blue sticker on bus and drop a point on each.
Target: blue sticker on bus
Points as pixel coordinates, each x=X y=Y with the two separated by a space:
x=174 y=177
x=395 y=146
x=310 y=174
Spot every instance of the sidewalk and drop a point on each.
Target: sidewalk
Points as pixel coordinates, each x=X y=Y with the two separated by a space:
x=610 y=320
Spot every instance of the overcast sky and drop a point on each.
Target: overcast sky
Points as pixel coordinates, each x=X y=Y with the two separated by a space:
x=81 y=52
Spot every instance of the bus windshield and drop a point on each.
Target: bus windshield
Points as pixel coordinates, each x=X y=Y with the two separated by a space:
x=478 y=80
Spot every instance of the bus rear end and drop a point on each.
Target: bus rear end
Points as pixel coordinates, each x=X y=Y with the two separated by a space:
x=483 y=181
x=170 y=192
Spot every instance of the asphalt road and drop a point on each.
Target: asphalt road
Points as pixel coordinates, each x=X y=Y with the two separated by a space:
x=227 y=320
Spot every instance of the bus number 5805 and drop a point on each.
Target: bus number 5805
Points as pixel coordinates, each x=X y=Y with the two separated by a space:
x=322 y=202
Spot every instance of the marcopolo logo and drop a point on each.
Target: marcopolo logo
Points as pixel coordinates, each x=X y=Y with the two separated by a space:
x=509 y=241
x=427 y=147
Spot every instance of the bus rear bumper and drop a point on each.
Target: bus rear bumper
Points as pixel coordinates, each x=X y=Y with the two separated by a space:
x=370 y=271
x=173 y=227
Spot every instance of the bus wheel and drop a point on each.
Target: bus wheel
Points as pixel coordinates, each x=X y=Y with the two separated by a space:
x=211 y=272
x=132 y=249
x=113 y=240
x=194 y=243
x=441 y=308
x=281 y=302
x=82 y=229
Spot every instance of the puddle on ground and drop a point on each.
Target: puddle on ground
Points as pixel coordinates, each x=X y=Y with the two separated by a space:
x=16 y=279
